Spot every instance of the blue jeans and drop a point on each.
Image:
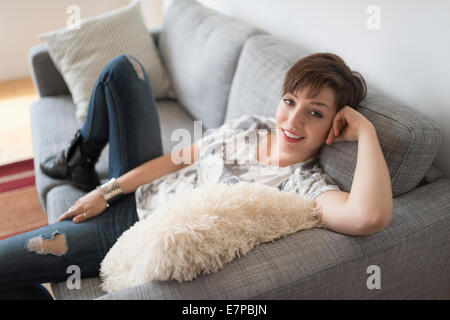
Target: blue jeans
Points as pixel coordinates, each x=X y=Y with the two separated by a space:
x=122 y=111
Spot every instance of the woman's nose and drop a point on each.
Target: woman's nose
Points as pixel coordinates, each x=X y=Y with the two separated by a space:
x=296 y=122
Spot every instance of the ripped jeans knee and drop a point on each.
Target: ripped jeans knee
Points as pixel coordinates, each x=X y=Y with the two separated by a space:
x=136 y=66
x=55 y=244
x=121 y=64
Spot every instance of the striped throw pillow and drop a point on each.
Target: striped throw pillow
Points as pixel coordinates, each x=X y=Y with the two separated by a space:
x=80 y=54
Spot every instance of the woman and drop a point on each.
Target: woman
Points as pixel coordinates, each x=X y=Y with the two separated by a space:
x=319 y=94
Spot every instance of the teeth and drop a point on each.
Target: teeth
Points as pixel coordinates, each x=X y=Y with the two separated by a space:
x=290 y=135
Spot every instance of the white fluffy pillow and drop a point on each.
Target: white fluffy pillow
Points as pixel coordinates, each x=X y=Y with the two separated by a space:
x=81 y=54
x=200 y=230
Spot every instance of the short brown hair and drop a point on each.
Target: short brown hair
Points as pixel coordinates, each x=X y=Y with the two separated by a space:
x=321 y=69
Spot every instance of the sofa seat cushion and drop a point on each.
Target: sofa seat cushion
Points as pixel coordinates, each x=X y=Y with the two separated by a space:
x=304 y=265
x=200 y=49
x=409 y=140
x=89 y=289
x=322 y=264
x=50 y=137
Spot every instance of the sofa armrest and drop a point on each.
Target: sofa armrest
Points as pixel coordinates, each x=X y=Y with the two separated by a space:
x=46 y=77
x=412 y=253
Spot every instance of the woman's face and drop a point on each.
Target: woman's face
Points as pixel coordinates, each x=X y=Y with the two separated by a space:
x=309 y=118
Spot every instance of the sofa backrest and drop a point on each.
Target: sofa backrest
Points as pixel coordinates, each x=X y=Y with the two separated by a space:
x=200 y=49
x=256 y=88
x=408 y=139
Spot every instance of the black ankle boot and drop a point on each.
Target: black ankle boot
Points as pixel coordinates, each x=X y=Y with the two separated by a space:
x=75 y=163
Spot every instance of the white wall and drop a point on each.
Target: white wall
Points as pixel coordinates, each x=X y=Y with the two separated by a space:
x=152 y=11
x=22 y=20
x=407 y=58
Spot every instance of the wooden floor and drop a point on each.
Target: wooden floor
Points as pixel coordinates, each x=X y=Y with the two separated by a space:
x=16 y=97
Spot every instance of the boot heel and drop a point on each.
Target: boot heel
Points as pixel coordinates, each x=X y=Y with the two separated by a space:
x=83 y=187
x=85 y=179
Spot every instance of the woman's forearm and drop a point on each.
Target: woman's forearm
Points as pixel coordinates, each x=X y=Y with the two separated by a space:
x=371 y=191
x=153 y=169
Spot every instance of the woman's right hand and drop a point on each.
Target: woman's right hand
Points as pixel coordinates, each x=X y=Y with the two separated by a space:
x=93 y=203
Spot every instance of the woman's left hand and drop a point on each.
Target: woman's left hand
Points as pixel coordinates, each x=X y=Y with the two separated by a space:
x=88 y=206
x=346 y=126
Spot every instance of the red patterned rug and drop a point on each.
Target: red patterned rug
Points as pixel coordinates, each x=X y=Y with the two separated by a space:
x=20 y=209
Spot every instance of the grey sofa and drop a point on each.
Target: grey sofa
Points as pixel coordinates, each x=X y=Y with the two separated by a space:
x=221 y=68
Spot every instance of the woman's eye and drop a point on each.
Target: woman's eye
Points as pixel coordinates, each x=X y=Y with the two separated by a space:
x=287 y=101
x=318 y=115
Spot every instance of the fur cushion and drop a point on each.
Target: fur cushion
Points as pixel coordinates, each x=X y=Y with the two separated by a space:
x=200 y=230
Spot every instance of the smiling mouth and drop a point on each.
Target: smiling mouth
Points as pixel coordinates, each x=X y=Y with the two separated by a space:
x=288 y=137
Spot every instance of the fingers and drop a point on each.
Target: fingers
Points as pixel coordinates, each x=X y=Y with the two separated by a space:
x=339 y=126
x=68 y=214
x=335 y=131
x=330 y=137
x=335 y=125
x=74 y=211
x=81 y=217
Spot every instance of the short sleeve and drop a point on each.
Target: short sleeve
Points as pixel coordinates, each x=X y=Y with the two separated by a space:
x=310 y=182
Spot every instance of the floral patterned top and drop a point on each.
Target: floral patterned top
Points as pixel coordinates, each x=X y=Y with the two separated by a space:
x=228 y=155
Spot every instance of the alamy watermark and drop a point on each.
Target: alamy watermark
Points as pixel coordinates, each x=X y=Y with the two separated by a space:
x=374 y=280
x=234 y=145
x=74 y=280
x=374 y=20
x=73 y=21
